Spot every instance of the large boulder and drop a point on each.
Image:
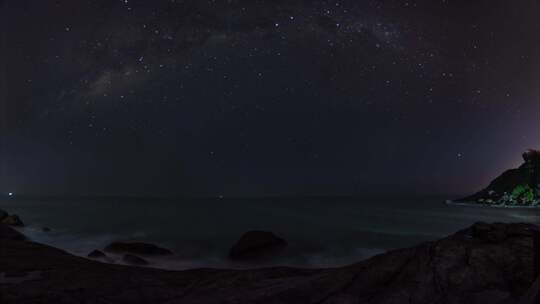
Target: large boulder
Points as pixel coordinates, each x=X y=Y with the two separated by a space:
x=532 y=157
x=134 y=260
x=13 y=220
x=257 y=244
x=3 y=214
x=137 y=248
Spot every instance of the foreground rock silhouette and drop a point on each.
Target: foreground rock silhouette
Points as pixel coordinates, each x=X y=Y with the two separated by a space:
x=486 y=263
x=10 y=234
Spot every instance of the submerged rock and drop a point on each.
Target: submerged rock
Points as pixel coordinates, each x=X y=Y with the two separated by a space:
x=257 y=244
x=137 y=248
x=134 y=260
x=46 y=229
x=96 y=254
x=13 y=220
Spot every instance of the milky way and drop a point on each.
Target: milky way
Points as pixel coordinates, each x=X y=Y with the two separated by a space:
x=265 y=97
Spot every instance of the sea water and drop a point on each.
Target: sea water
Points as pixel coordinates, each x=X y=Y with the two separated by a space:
x=321 y=232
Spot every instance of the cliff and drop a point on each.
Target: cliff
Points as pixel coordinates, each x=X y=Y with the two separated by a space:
x=515 y=187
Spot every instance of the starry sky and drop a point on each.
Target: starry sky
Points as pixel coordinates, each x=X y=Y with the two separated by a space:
x=261 y=97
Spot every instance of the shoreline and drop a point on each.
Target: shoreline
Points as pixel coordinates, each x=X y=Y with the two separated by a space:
x=478 y=205
x=370 y=241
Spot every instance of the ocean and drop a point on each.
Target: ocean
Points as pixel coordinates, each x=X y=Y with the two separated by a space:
x=321 y=232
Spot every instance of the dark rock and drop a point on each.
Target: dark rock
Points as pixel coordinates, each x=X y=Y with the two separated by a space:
x=257 y=244
x=46 y=229
x=8 y=233
x=134 y=260
x=137 y=248
x=96 y=254
x=3 y=215
x=489 y=233
x=532 y=157
x=467 y=267
x=13 y=220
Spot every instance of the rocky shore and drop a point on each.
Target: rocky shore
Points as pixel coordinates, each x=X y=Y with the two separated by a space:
x=486 y=263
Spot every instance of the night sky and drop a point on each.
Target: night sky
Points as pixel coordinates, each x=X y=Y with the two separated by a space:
x=261 y=97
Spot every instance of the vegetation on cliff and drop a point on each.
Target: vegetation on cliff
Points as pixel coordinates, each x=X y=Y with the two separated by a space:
x=515 y=187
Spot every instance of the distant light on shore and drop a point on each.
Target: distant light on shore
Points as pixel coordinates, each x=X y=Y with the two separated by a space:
x=10 y=194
